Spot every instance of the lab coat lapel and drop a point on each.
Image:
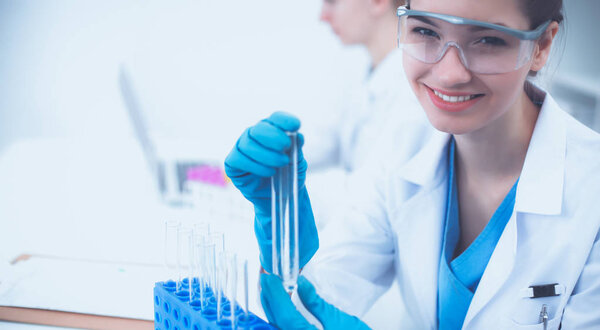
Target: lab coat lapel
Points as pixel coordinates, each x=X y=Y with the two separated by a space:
x=540 y=191
x=420 y=226
x=497 y=271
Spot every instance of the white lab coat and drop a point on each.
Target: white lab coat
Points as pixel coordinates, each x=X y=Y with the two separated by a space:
x=345 y=136
x=393 y=232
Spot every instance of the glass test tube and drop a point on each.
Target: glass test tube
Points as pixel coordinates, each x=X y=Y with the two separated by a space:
x=217 y=238
x=284 y=218
x=198 y=272
x=246 y=290
x=231 y=281
x=171 y=263
x=201 y=230
x=209 y=270
x=184 y=258
x=221 y=280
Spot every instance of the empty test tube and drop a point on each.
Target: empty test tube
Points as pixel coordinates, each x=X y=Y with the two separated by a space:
x=209 y=270
x=217 y=239
x=184 y=258
x=246 y=290
x=231 y=281
x=284 y=218
x=221 y=283
x=201 y=230
x=198 y=279
x=171 y=263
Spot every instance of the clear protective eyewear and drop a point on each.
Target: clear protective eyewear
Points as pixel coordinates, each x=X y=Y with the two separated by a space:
x=483 y=47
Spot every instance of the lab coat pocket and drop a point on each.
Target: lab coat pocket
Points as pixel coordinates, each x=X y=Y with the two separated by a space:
x=553 y=324
x=525 y=313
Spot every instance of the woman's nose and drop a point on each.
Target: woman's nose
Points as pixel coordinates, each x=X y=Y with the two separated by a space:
x=450 y=69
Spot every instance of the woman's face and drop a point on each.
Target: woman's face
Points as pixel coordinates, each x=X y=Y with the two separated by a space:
x=498 y=92
x=349 y=19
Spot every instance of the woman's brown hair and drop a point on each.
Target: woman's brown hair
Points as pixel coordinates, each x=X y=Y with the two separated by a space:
x=538 y=11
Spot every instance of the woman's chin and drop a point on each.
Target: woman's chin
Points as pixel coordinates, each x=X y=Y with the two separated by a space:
x=453 y=127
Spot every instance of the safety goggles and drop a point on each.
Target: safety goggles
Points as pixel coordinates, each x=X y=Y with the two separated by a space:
x=483 y=47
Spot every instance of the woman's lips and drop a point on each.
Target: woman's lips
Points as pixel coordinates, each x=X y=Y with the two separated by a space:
x=452 y=101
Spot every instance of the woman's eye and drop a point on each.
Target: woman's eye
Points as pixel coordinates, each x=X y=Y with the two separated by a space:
x=424 y=32
x=492 y=41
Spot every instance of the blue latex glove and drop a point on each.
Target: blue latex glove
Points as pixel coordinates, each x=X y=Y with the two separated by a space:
x=281 y=311
x=250 y=165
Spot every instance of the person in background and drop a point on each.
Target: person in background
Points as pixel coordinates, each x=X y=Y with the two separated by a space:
x=491 y=222
x=359 y=132
x=347 y=137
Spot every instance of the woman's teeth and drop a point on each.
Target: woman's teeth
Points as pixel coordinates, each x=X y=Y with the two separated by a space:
x=454 y=99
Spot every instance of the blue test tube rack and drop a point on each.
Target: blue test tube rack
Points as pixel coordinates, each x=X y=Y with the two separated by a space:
x=174 y=311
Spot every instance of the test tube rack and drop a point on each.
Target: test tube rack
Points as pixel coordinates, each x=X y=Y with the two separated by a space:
x=174 y=311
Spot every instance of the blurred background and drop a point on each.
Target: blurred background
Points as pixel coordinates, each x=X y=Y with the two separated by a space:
x=196 y=64
x=73 y=174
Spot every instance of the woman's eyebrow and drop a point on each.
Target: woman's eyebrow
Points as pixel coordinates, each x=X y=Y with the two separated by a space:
x=423 y=19
x=476 y=28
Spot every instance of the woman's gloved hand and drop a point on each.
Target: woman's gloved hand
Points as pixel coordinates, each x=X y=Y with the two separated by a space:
x=281 y=311
x=250 y=165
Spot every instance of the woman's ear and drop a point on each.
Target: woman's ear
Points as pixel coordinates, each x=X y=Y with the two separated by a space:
x=543 y=47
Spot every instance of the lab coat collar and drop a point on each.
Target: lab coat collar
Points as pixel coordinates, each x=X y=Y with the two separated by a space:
x=498 y=270
x=540 y=187
x=427 y=167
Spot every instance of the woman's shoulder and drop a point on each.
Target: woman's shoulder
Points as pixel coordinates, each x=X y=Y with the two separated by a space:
x=582 y=146
x=581 y=157
x=581 y=142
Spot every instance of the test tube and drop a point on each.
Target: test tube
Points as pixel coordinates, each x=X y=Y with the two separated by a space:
x=284 y=218
x=209 y=271
x=201 y=230
x=221 y=281
x=171 y=229
x=217 y=238
x=184 y=258
x=231 y=279
x=198 y=272
x=246 y=290
x=245 y=320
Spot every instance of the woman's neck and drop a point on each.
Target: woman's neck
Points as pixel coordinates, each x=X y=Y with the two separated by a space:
x=488 y=162
x=497 y=151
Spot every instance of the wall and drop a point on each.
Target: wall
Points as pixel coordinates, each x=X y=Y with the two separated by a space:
x=195 y=65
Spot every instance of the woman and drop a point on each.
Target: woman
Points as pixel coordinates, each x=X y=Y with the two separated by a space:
x=489 y=222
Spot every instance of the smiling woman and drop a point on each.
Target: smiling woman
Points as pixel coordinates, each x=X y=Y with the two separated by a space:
x=487 y=221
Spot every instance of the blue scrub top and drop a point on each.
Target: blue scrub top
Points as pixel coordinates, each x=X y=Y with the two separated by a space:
x=458 y=278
